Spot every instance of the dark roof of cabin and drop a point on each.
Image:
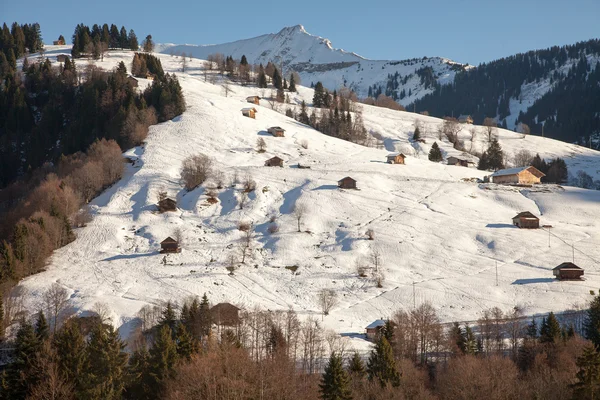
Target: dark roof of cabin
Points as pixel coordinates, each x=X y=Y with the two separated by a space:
x=169 y=240
x=275 y=159
x=525 y=214
x=566 y=265
x=375 y=324
x=347 y=178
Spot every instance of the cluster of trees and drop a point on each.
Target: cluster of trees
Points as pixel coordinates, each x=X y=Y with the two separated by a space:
x=334 y=115
x=38 y=215
x=492 y=158
x=568 y=111
x=556 y=169
x=16 y=42
x=144 y=64
x=96 y=41
x=180 y=352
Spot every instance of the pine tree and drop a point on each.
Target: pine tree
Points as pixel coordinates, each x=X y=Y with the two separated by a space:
x=138 y=376
x=204 y=318
x=319 y=96
x=122 y=69
x=335 y=383
x=262 y=77
x=592 y=322
x=42 y=330
x=244 y=60
x=186 y=346
x=168 y=318
x=105 y=369
x=381 y=366
x=388 y=331
x=557 y=171
x=21 y=374
x=588 y=376
x=417 y=134
x=356 y=367
x=471 y=345
x=458 y=338
x=483 y=163
x=277 y=82
x=285 y=84
x=303 y=116
x=540 y=164
x=148 y=44
x=435 y=154
x=163 y=357
x=292 y=87
x=72 y=356
x=495 y=155
x=550 y=331
x=133 y=41
x=532 y=331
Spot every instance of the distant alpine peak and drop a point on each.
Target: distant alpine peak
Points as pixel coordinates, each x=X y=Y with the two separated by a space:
x=292 y=29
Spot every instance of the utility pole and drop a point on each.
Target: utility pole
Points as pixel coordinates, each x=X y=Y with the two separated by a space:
x=496 y=273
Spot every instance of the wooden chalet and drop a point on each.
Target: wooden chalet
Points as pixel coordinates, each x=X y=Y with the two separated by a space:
x=59 y=42
x=167 y=204
x=518 y=176
x=62 y=58
x=567 y=271
x=463 y=162
x=169 y=245
x=274 y=162
x=374 y=329
x=132 y=81
x=249 y=112
x=465 y=119
x=276 y=131
x=347 y=183
x=253 y=100
x=395 y=158
x=526 y=220
x=225 y=314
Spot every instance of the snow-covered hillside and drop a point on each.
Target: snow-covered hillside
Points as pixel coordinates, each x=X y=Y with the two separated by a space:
x=440 y=235
x=315 y=59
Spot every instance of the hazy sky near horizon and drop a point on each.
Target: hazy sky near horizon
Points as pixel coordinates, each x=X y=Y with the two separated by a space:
x=467 y=31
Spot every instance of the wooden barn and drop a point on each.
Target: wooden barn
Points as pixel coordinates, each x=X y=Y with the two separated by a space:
x=526 y=220
x=276 y=131
x=395 y=158
x=249 y=112
x=567 y=271
x=167 y=204
x=347 y=183
x=518 y=176
x=225 y=314
x=274 y=162
x=62 y=58
x=253 y=100
x=58 y=42
x=465 y=119
x=462 y=162
x=132 y=81
x=169 y=245
x=374 y=328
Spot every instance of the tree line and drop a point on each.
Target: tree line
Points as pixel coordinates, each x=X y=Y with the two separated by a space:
x=96 y=41
x=184 y=351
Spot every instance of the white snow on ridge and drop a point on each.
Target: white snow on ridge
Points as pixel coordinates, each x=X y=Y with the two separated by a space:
x=431 y=227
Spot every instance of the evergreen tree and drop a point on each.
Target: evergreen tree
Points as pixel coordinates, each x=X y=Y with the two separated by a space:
x=285 y=84
x=72 y=356
x=204 y=317
x=303 y=116
x=417 y=134
x=105 y=369
x=168 y=318
x=277 y=82
x=148 y=44
x=42 y=330
x=335 y=383
x=540 y=164
x=186 y=346
x=550 y=330
x=133 y=41
x=123 y=38
x=319 y=96
x=139 y=385
x=22 y=371
x=591 y=327
x=483 y=164
x=163 y=357
x=292 y=87
x=435 y=154
x=122 y=69
x=244 y=60
x=557 y=171
x=532 y=331
x=458 y=338
x=356 y=367
x=262 y=77
x=588 y=376
x=471 y=345
x=381 y=366
x=388 y=331
x=495 y=155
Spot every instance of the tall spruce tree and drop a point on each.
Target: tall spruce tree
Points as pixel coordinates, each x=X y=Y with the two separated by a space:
x=356 y=366
x=292 y=87
x=381 y=366
x=592 y=322
x=435 y=154
x=139 y=384
x=335 y=383
x=163 y=357
x=550 y=330
x=42 y=330
x=262 y=77
x=168 y=318
x=277 y=82
x=70 y=347
x=319 y=96
x=587 y=386
x=495 y=155
x=21 y=375
x=204 y=317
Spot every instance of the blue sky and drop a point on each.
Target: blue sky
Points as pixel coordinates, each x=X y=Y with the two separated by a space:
x=467 y=31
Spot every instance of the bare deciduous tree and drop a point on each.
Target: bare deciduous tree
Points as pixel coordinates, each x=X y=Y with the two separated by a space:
x=243 y=199
x=195 y=170
x=299 y=212
x=183 y=62
x=102 y=310
x=261 y=145
x=226 y=88
x=523 y=158
x=490 y=127
x=376 y=258
x=56 y=301
x=370 y=234
x=327 y=299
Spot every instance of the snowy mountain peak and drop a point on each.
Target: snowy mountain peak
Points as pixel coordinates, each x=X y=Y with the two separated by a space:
x=289 y=30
